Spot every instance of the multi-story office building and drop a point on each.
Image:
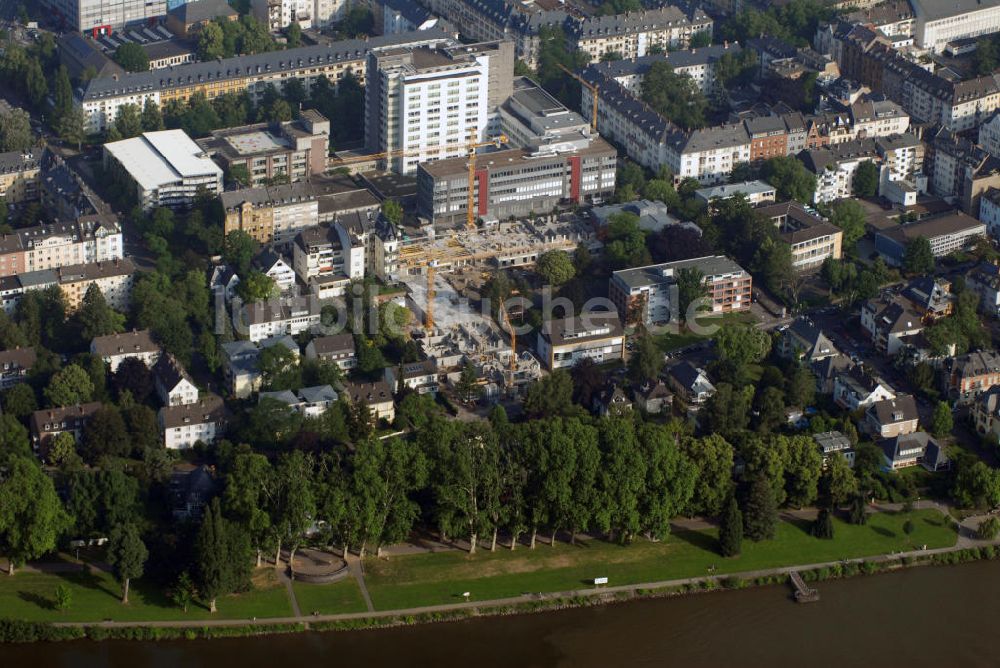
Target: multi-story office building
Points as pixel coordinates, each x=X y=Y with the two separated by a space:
x=650 y=294
x=634 y=34
x=163 y=168
x=516 y=182
x=293 y=150
x=946 y=233
x=596 y=336
x=938 y=23
x=103 y=17
x=50 y=246
x=101 y=98
x=811 y=239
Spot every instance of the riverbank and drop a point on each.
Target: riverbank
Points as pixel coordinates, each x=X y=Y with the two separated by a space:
x=20 y=632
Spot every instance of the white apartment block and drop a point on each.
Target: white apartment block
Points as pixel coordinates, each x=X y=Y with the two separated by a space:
x=699 y=64
x=164 y=168
x=989 y=135
x=263 y=320
x=596 y=336
x=184 y=425
x=427 y=102
x=116 y=348
x=327 y=251
x=938 y=23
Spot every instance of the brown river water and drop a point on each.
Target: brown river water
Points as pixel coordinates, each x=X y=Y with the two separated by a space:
x=944 y=617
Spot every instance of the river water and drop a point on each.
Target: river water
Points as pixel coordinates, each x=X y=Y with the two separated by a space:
x=943 y=617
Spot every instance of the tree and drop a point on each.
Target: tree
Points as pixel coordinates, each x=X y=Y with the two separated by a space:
x=183 y=591
x=942 y=421
x=386 y=475
x=250 y=484
x=555 y=267
x=62 y=451
x=976 y=485
x=95 y=318
x=70 y=126
x=790 y=178
x=132 y=57
x=670 y=478
x=69 y=386
x=222 y=556
x=690 y=288
x=105 y=435
x=621 y=479
x=31 y=515
x=770 y=409
x=134 y=377
x=19 y=401
x=988 y=528
x=742 y=344
x=626 y=242
x=64 y=598
x=256 y=287
x=731 y=529
x=822 y=527
x=15 y=131
x=908 y=527
x=467 y=387
x=646 y=361
x=152 y=119
x=13 y=437
x=859 y=510
x=293 y=505
x=865 y=182
x=393 y=211
x=128 y=122
x=550 y=396
x=293 y=33
x=849 y=216
x=126 y=555
x=675 y=96
x=838 y=481
x=210 y=45
x=713 y=459
x=35 y=85
x=239 y=250
x=760 y=512
x=918 y=258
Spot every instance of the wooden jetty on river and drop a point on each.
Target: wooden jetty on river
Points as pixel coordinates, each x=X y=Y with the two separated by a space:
x=803 y=593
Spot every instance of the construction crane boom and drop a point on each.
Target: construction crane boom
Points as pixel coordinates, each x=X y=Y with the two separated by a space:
x=589 y=86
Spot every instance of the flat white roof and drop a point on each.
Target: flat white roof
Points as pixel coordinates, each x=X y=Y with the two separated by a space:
x=155 y=159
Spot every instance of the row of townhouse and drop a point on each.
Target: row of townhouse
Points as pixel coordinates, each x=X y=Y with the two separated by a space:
x=50 y=246
x=630 y=35
x=866 y=56
x=710 y=154
x=102 y=97
x=112 y=277
x=699 y=64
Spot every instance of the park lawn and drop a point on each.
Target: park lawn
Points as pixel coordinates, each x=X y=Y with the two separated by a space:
x=330 y=599
x=96 y=596
x=430 y=579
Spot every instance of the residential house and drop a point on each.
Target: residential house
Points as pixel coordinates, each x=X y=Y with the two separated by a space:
x=918 y=448
x=48 y=423
x=930 y=296
x=803 y=340
x=337 y=348
x=892 y=417
x=116 y=348
x=859 y=388
x=828 y=369
x=173 y=384
x=421 y=377
x=653 y=398
x=376 y=396
x=810 y=238
x=273 y=265
x=309 y=402
x=15 y=364
x=691 y=383
x=191 y=488
x=263 y=320
x=184 y=425
x=889 y=322
x=985 y=414
x=612 y=401
x=833 y=443
x=971 y=374
x=984 y=280
x=597 y=336
x=240 y=363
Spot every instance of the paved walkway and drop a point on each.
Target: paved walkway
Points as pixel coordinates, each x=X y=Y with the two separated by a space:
x=287 y=581
x=358 y=571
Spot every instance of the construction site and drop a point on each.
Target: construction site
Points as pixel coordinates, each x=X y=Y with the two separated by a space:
x=445 y=271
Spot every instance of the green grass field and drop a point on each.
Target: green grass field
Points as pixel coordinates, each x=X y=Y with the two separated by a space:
x=668 y=342
x=329 y=599
x=429 y=579
x=96 y=597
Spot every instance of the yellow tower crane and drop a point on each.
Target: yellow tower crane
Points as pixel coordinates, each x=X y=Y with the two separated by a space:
x=589 y=86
